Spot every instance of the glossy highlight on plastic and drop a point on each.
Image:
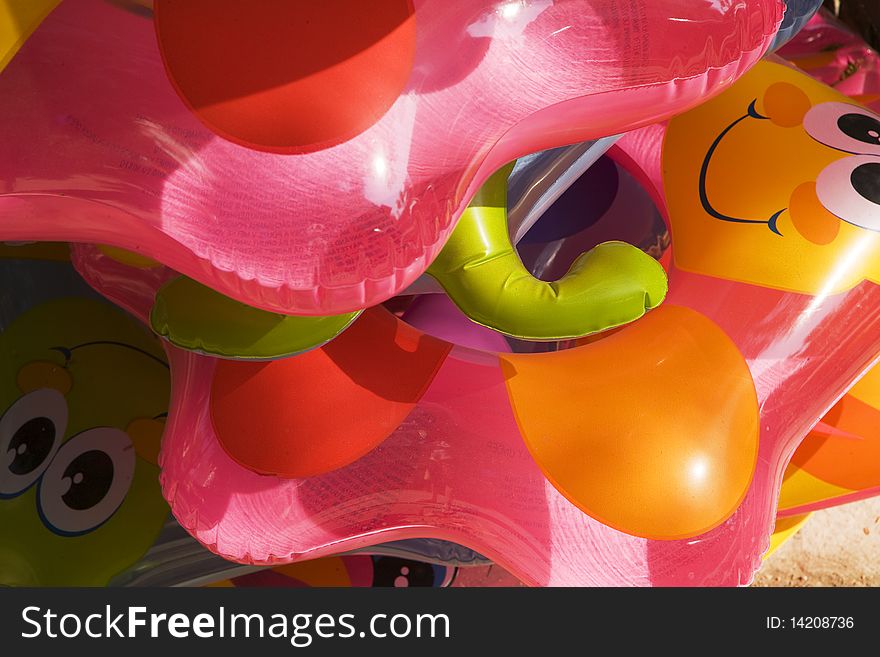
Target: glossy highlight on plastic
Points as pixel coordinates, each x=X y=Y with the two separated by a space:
x=170 y=165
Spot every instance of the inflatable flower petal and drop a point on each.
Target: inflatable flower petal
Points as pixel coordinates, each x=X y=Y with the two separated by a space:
x=376 y=143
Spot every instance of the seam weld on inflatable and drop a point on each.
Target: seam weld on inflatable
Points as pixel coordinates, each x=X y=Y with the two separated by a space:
x=406 y=120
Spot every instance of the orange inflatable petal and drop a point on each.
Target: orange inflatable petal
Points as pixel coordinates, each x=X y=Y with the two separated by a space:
x=800 y=488
x=319 y=411
x=844 y=449
x=867 y=389
x=653 y=430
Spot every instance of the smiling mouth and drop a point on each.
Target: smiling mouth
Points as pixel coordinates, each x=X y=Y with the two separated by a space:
x=704 y=172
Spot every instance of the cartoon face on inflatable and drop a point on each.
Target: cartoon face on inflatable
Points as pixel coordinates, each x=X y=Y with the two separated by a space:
x=84 y=395
x=776 y=182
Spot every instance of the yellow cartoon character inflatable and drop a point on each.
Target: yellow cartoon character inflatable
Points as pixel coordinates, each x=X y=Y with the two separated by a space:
x=84 y=394
x=776 y=182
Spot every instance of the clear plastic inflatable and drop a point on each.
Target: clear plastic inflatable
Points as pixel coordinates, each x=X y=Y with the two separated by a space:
x=458 y=412
x=797 y=15
x=378 y=140
x=770 y=292
x=839 y=460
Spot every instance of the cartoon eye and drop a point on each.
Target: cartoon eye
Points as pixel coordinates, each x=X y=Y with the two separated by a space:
x=844 y=127
x=87 y=481
x=30 y=432
x=850 y=189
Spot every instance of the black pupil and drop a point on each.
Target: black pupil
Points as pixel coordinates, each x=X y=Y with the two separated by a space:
x=861 y=127
x=91 y=475
x=866 y=181
x=31 y=444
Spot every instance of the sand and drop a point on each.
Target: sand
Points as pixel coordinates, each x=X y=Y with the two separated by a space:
x=836 y=547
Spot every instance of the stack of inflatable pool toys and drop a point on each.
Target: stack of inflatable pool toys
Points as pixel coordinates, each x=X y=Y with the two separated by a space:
x=435 y=283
